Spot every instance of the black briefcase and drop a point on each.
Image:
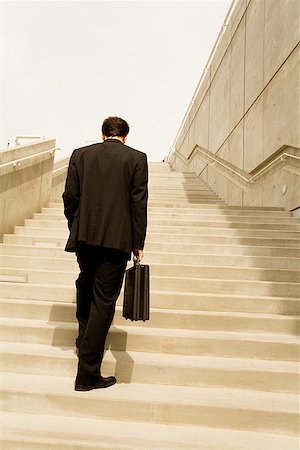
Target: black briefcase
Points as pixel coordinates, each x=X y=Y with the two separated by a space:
x=136 y=293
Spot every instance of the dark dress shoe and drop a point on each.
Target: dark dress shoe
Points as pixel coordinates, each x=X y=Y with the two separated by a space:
x=100 y=384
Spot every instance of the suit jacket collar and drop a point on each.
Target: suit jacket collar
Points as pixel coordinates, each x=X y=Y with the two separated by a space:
x=113 y=140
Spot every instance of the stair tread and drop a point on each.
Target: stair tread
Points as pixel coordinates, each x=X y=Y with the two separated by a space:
x=149 y=393
x=91 y=432
x=182 y=312
x=162 y=310
x=231 y=382
x=159 y=359
x=20 y=271
x=172 y=292
x=172 y=265
x=170 y=332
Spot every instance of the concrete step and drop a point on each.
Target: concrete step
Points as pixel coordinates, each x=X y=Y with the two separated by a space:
x=179 y=204
x=203 y=210
x=173 y=236
x=166 y=299
x=199 y=406
x=181 y=188
x=232 y=219
x=48 y=432
x=58 y=238
x=191 y=284
x=157 y=167
x=193 y=232
x=261 y=255
x=208 y=210
x=164 y=369
x=190 y=218
x=69 y=272
x=160 y=340
x=68 y=261
x=186 y=224
x=179 y=194
x=160 y=318
x=58 y=204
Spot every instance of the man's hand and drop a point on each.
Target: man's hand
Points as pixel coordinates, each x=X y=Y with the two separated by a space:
x=137 y=254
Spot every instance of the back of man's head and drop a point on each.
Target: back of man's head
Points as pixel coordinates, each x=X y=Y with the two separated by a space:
x=115 y=126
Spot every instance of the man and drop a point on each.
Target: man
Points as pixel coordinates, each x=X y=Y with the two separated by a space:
x=105 y=203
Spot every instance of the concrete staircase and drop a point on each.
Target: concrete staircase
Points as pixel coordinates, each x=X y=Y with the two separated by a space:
x=215 y=368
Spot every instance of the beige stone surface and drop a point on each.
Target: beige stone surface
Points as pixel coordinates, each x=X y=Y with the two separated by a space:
x=237 y=15
x=281 y=107
x=254 y=55
x=219 y=105
x=237 y=75
x=253 y=102
x=282 y=190
x=203 y=89
x=25 y=187
x=282 y=21
x=253 y=197
x=220 y=51
x=201 y=123
x=254 y=135
x=184 y=147
x=22 y=151
x=235 y=147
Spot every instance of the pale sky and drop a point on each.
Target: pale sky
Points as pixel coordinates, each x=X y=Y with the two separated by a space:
x=65 y=66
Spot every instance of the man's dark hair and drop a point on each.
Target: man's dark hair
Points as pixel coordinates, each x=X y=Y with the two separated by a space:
x=115 y=126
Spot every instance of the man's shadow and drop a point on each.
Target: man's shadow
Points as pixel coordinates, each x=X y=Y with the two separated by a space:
x=116 y=343
x=116 y=360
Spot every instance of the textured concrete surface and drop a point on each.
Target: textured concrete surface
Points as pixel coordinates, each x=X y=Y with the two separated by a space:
x=25 y=184
x=247 y=106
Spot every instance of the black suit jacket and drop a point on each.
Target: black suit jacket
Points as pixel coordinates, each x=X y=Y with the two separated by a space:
x=105 y=197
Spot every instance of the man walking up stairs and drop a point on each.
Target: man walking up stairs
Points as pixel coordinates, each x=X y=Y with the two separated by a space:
x=217 y=365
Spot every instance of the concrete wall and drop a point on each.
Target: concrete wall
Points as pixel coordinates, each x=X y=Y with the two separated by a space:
x=25 y=182
x=60 y=170
x=247 y=106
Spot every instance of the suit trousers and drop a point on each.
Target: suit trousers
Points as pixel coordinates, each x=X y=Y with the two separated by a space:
x=98 y=287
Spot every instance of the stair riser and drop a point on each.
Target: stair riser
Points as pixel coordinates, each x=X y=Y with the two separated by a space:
x=151 y=412
x=12 y=441
x=219 y=239
x=172 y=300
x=240 y=255
x=70 y=273
x=170 y=238
x=44 y=262
x=194 y=218
x=207 y=285
x=192 y=232
x=43 y=220
x=242 y=287
x=59 y=204
x=130 y=371
x=188 y=226
x=190 y=195
x=118 y=339
x=159 y=319
x=224 y=211
x=179 y=190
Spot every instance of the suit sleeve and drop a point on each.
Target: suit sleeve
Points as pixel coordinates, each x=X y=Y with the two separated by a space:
x=139 y=198
x=71 y=194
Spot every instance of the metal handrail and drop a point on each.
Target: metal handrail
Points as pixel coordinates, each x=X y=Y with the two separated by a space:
x=248 y=179
x=27 y=137
x=60 y=168
x=17 y=162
